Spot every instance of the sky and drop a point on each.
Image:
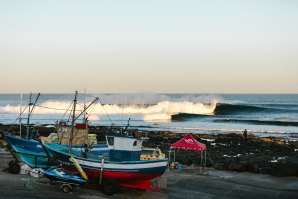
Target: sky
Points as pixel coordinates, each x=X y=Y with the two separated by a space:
x=162 y=46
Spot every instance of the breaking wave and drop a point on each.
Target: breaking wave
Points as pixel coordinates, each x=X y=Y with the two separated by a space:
x=230 y=109
x=161 y=111
x=186 y=116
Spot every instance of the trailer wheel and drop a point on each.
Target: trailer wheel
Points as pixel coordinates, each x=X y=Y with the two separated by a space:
x=110 y=187
x=65 y=188
x=14 y=168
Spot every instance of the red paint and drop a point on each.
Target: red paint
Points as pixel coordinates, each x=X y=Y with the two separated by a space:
x=130 y=180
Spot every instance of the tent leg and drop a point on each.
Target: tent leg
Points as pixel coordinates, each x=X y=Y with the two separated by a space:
x=205 y=158
x=174 y=155
x=201 y=162
x=169 y=159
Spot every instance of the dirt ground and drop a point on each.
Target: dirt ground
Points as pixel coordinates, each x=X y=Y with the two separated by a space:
x=186 y=184
x=25 y=187
x=213 y=184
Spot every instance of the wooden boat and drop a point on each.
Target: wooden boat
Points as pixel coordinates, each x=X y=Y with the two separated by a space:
x=32 y=153
x=121 y=167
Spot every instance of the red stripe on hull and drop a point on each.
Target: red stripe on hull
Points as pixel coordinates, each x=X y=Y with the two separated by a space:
x=126 y=179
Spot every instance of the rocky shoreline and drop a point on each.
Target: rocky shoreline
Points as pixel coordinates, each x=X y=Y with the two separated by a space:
x=269 y=155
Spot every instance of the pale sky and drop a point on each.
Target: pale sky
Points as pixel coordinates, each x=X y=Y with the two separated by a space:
x=162 y=46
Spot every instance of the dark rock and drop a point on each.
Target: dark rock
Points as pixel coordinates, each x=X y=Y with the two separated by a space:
x=219 y=166
x=238 y=166
x=209 y=162
x=283 y=171
x=287 y=167
x=255 y=167
x=265 y=170
x=293 y=161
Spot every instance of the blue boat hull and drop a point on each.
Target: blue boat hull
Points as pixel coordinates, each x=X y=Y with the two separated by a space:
x=32 y=153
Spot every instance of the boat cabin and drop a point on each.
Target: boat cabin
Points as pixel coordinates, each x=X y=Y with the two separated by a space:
x=125 y=147
x=80 y=135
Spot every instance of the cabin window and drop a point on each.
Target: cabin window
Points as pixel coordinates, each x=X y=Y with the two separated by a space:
x=110 y=140
x=135 y=143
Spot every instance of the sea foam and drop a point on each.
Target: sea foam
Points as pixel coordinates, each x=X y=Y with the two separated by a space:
x=160 y=111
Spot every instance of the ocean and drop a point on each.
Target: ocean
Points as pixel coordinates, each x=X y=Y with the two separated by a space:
x=261 y=114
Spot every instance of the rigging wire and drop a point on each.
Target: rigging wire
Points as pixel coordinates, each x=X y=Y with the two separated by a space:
x=67 y=111
x=57 y=109
x=88 y=95
x=92 y=109
x=112 y=123
x=18 y=118
x=49 y=112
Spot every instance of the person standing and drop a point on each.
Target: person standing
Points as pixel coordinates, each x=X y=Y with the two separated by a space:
x=245 y=134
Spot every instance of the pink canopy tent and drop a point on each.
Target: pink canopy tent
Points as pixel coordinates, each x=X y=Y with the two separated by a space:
x=188 y=142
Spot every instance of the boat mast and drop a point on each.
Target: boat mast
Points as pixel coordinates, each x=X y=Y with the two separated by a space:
x=85 y=106
x=28 y=118
x=30 y=112
x=72 y=122
x=20 y=119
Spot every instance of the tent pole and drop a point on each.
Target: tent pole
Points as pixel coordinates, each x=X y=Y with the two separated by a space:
x=201 y=163
x=174 y=155
x=205 y=158
x=169 y=159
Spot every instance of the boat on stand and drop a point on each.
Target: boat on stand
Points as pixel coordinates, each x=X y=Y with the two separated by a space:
x=121 y=167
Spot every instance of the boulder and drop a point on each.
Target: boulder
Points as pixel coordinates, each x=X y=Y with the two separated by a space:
x=238 y=166
x=219 y=166
x=283 y=171
x=287 y=167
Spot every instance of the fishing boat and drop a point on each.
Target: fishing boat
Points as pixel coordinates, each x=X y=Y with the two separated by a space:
x=121 y=167
x=31 y=152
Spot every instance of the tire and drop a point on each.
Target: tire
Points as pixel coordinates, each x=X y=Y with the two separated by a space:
x=110 y=187
x=14 y=168
x=65 y=188
x=11 y=162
